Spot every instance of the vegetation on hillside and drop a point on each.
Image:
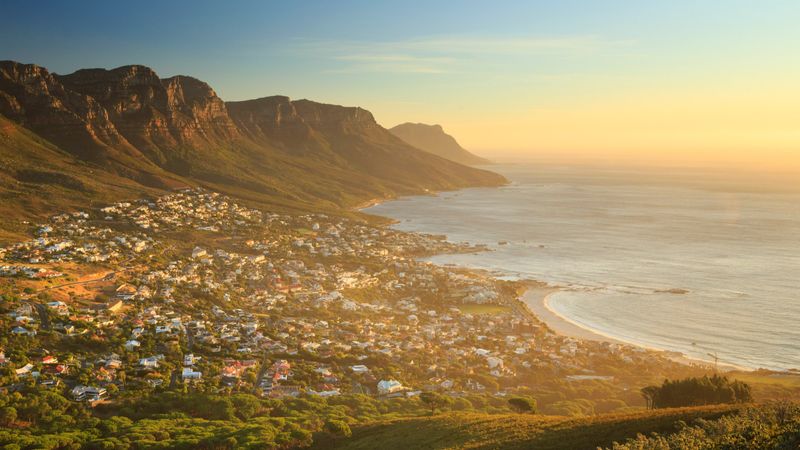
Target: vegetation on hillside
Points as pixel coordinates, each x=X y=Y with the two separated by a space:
x=518 y=431
x=44 y=419
x=697 y=391
x=775 y=427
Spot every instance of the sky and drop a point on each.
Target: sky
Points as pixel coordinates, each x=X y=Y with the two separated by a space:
x=687 y=82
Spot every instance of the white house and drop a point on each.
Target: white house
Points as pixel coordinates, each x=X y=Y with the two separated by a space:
x=359 y=368
x=151 y=362
x=190 y=374
x=89 y=393
x=494 y=362
x=23 y=331
x=389 y=387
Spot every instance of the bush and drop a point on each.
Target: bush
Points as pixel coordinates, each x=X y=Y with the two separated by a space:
x=522 y=404
x=338 y=428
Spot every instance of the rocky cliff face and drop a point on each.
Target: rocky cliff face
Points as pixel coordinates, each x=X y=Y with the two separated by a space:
x=130 y=122
x=433 y=139
x=165 y=119
x=36 y=99
x=275 y=120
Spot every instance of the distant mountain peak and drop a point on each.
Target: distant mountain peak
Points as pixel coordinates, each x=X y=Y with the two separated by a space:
x=433 y=139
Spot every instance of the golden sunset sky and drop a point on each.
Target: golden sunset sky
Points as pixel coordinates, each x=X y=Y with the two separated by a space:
x=688 y=82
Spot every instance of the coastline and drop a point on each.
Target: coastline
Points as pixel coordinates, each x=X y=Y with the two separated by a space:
x=536 y=298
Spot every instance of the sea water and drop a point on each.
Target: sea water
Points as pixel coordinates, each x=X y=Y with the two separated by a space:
x=667 y=259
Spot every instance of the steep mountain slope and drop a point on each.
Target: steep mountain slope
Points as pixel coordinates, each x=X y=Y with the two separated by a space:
x=38 y=179
x=165 y=133
x=348 y=138
x=433 y=139
x=77 y=123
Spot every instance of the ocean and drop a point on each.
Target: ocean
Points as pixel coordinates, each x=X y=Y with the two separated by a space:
x=679 y=260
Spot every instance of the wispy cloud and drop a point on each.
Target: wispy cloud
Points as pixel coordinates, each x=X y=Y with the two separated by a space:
x=439 y=54
x=398 y=63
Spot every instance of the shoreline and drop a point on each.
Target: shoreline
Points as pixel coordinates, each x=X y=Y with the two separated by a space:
x=537 y=296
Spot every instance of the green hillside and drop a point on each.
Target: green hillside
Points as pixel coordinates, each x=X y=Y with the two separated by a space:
x=518 y=431
x=38 y=179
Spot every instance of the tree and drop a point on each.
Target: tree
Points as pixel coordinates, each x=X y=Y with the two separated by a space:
x=8 y=416
x=649 y=393
x=338 y=428
x=246 y=406
x=435 y=400
x=696 y=392
x=462 y=404
x=249 y=377
x=522 y=404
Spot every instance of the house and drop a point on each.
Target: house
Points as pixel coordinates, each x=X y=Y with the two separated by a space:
x=55 y=369
x=113 y=362
x=389 y=387
x=190 y=359
x=136 y=332
x=190 y=374
x=21 y=331
x=359 y=368
x=132 y=345
x=125 y=291
x=151 y=362
x=494 y=362
x=87 y=393
x=231 y=372
x=112 y=305
x=25 y=370
x=57 y=305
x=50 y=383
x=325 y=391
x=284 y=391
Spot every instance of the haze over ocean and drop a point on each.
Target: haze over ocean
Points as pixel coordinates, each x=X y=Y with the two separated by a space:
x=673 y=261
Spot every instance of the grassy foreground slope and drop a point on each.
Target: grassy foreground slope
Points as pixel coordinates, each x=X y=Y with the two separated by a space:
x=518 y=431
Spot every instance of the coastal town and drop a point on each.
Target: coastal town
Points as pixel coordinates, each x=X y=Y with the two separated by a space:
x=194 y=291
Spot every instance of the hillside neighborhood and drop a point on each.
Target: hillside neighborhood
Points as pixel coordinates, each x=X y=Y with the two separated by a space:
x=192 y=289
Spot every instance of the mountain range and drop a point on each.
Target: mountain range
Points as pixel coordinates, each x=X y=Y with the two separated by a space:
x=433 y=139
x=96 y=135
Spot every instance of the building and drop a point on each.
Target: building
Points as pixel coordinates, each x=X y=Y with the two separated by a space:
x=389 y=387
x=88 y=393
x=190 y=374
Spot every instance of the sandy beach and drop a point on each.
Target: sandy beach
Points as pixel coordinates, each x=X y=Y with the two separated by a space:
x=536 y=299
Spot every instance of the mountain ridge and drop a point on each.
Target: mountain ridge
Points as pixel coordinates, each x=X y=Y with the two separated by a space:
x=162 y=133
